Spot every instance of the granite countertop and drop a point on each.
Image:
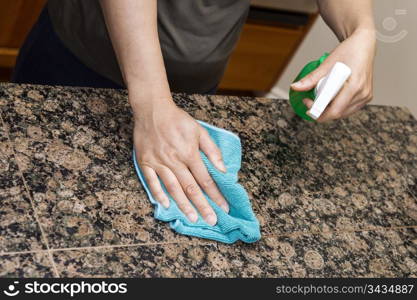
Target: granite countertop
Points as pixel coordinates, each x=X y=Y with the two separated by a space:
x=336 y=199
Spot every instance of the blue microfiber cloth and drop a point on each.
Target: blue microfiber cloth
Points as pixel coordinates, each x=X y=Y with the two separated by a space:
x=240 y=223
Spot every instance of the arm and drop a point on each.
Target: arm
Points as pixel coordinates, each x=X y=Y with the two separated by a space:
x=167 y=140
x=132 y=26
x=345 y=17
x=352 y=22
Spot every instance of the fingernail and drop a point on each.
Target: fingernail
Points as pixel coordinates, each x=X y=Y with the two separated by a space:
x=211 y=219
x=225 y=207
x=297 y=84
x=222 y=167
x=192 y=216
x=165 y=203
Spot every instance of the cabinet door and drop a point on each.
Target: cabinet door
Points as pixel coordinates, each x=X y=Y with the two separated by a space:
x=16 y=19
x=260 y=56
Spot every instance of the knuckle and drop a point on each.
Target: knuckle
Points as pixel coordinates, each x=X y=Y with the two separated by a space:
x=206 y=210
x=186 y=208
x=171 y=185
x=145 y=160
x=191 y=156
x=217 y=153
x=159 y=195
x=188 y=155
x=192 y=153
x=369 y=96
x=220 y=202
x=203 y=131
x=313 y=76
x=170 y=155
x=319 y=74
x=364 y=94
x=337 y=114
x=207 y=183
x=356 y=84
x=192 y=189
x=308 y=79
x=144 y=163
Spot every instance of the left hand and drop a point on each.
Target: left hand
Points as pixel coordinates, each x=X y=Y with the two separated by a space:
x=357 y=52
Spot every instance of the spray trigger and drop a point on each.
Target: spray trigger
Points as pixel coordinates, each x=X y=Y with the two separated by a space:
x=328 y=88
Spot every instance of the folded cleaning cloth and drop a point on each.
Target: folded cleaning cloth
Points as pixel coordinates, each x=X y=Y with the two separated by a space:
x=240 y=223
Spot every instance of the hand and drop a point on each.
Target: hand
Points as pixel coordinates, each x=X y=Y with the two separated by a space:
x=357 y=52
x=167 y=142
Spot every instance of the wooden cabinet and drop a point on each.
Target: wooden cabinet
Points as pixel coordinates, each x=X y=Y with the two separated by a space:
x=262 y=53
x=16 y=19
x=260 y=57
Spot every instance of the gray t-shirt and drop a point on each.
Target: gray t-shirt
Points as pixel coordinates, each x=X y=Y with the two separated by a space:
x=196 y=36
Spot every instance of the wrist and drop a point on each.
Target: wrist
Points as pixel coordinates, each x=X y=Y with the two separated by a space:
x=145 y=101
x=147 y=106
x=367 y=36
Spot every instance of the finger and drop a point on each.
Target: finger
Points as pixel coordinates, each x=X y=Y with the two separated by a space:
x=312 y=79
x=308 y=102
x=339 y=105
x=175 y=190
x=354 y=109
x=203 y=178
x=155 y=186
x=194 y=193
x=211 y=150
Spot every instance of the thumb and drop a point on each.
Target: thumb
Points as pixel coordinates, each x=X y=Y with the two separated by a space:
x=311 y=80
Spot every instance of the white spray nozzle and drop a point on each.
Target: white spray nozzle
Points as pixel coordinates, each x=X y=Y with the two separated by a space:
x=328 y=87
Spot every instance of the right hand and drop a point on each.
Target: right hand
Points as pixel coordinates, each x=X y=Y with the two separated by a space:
x=167 y=142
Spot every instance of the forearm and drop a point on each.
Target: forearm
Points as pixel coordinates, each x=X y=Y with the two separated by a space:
x=132 y=26
x=345 y=17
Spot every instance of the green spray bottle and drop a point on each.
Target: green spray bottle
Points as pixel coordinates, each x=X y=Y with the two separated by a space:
x=327 y=88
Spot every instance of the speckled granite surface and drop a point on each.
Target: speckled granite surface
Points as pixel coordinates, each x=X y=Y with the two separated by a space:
x=335 y=199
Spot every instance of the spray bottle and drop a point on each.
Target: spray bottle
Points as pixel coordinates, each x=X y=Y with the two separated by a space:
x=327 y=88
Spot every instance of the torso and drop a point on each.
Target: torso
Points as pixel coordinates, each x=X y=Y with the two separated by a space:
x=196 y=36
